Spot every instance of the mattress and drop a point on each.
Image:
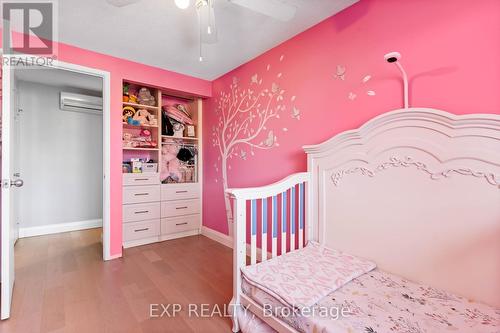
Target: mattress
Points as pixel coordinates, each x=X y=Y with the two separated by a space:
x=379 y=302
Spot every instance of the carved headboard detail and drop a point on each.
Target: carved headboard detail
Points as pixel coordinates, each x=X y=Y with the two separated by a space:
x=417 y=191
x=396 y=162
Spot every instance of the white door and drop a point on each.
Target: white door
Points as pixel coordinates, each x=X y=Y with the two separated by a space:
x=10 y=183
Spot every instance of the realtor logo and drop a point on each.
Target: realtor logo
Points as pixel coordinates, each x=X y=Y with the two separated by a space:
x=29 y=28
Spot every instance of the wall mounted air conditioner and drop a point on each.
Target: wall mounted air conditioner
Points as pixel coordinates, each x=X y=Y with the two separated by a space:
x=81 y=103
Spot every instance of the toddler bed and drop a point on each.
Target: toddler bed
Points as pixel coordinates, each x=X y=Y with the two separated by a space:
x=401 y=191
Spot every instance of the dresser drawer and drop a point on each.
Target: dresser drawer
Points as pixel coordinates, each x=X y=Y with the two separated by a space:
x=141 y=179
x=140 y=194
x=139 y=212
x=180 y=207
x=140 y=230
x=179 y=224
x=180 y=191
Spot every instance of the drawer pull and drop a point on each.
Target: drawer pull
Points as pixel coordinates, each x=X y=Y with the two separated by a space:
x=138 y=194
x=143 y=229
x=183 y=223
x=140 y=179
x=181 y=191
x=185 y=207
x=142 y=212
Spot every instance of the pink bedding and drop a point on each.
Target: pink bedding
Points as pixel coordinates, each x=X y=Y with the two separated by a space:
x=301 y=278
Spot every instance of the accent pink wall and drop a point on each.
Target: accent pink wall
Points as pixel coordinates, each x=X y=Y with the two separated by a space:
x=451 y=51
x=121 y=69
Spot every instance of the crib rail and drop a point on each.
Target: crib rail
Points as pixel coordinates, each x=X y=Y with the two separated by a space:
x=276 y=217
x=272 y=215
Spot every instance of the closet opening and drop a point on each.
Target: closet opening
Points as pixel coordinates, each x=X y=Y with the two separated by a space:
x=59 y=153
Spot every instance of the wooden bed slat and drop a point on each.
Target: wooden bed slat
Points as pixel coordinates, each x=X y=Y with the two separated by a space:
x=253 y=239
x=283 y=221
x=292 y=218
x=275 y=226
x=301 y=215
x=264 y=229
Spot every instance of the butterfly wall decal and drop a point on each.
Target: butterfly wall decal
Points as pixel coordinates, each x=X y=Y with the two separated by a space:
x=270 y=140
x=340 y=73
x=295 y=113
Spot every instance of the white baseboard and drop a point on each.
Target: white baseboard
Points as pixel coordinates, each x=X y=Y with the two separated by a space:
x=217 y=236
x=58 y=228
x=227 y=241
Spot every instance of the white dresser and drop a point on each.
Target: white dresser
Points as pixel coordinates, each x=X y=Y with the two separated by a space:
x=155 y=212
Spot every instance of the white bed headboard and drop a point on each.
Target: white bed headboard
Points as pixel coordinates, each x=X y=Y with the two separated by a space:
x=417 y=191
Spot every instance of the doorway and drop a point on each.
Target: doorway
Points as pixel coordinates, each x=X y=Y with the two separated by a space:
x=55 y=157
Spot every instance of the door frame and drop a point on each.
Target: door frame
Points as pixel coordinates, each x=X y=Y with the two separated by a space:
x=106 y=127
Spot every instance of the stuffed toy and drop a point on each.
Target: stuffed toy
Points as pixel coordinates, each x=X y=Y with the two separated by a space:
x=142 y=116
x=132 y=98
x=145 y=139
x=127 y=112
x=170 y=168
x=146 y=98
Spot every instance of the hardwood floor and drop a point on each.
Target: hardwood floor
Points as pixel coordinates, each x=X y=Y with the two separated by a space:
x=62 y=285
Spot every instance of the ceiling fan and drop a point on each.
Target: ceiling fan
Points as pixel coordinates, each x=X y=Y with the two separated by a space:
x=276 y=9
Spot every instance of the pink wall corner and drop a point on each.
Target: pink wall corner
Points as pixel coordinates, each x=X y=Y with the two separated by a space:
x=119 y=70
x=451 y=51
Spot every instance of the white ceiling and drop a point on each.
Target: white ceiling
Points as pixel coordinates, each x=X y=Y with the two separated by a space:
x=157 y=33
x=61 y=78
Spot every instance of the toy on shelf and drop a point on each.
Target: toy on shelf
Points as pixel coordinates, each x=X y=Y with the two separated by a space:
x=127 y=112
x=170 y=169
x=132 y=98
x=143 y=140
x=139 y=117
x=136 y=165
x=142 y=116
x=125 y=93
x=178 y=129
x=128 y=140
x=146 y=98
x=131 y=121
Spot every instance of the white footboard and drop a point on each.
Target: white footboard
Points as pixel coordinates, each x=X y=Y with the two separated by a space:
x=273 y=216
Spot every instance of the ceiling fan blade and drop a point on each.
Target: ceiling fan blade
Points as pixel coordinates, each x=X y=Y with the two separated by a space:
x=273 y=8
x=121 y=3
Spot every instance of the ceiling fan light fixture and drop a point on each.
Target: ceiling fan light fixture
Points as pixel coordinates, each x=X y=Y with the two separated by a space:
x=182 y=4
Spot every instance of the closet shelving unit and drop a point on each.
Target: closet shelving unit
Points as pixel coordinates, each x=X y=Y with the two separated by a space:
x=154 y=211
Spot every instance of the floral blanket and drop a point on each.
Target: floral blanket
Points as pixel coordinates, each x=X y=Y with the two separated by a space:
x=379 y=302
x=301 y=278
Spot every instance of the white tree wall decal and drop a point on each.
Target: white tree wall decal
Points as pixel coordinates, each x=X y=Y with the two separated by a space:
x=243 y=124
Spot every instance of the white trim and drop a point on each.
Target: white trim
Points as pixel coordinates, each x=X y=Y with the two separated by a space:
x=139 y=242
x=58 y=228
x=179 y=235
x=106 y=116
x=217 y=236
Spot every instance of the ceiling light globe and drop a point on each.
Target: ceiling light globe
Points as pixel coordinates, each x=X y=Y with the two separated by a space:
x=182 y=4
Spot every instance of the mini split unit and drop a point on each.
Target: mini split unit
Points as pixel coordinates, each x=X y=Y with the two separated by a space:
x=81 y=103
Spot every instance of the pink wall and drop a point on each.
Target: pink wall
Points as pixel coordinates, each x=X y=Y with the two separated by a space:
x=123 y=69
x=451 y=51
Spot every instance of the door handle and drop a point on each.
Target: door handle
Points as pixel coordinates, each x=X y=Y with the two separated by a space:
x=17 y=183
